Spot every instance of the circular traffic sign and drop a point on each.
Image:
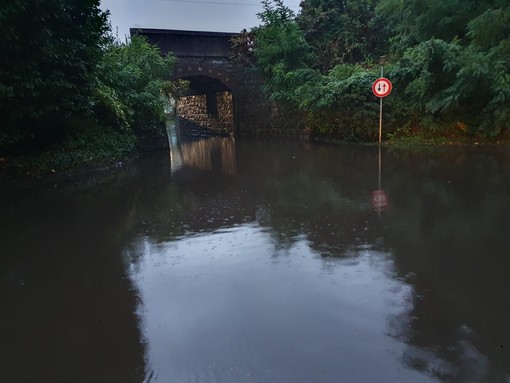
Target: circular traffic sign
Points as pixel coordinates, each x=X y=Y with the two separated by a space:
x=381 y=87
x=379 y=200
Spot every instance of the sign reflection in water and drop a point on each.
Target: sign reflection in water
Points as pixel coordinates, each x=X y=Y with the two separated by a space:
x=379 y=196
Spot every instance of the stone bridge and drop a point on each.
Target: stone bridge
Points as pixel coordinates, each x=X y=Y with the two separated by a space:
x=224 y=96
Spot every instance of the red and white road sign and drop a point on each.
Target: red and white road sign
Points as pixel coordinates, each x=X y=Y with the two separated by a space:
x=381 y=87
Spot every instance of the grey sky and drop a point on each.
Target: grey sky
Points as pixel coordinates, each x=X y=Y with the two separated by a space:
x=200 y=15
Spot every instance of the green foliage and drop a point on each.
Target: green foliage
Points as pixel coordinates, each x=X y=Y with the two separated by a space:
x=415 y=22
x=130 y=85
x=346 y=31
x=94 y=146
x=449 y=62
x=49 y=53
x=69 y=93
x=275 y=12
x=340 y=107
x=453 y=62
x=338 y=104
x=280 y=49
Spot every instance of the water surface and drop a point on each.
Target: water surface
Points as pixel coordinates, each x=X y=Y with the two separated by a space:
x=235 y=261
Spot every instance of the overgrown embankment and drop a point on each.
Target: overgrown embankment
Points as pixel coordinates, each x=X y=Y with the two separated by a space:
x=449 y=64
x=72 y=95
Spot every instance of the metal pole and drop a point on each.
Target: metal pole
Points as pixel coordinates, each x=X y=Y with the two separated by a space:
x=380 y=112
x=380 y=121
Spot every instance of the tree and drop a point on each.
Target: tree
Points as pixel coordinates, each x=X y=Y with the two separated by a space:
x=453 y=61
x=281 y=50
x=130 y=86
x=342 y=32
x=242 y=46
x=336 y=104
x=49 y=54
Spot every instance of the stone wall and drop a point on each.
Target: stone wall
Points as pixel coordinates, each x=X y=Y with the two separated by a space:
x=224 y=102
x=194 y=116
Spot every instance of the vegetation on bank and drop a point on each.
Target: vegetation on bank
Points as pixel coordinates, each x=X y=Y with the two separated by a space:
x=449 y=61
x=70 y=93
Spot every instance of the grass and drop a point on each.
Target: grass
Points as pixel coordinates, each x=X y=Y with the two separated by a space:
x=449 y=138
x=94 y=148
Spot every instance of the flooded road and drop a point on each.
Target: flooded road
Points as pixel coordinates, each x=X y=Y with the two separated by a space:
x=282 y=262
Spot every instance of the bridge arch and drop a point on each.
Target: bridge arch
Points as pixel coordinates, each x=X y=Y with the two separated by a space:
x=227 y=90
x=217 y=70
x=208 y=106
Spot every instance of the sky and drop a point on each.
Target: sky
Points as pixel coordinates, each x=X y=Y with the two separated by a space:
x=198 y=15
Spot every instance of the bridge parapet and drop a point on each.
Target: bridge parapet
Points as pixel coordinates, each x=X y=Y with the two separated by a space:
x=188 y=43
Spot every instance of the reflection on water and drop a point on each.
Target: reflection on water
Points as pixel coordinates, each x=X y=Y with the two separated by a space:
x=303 y=212
x=231 y=305
x=379 y=197
x=201 y=154
x=263 y=262
x=174 y=143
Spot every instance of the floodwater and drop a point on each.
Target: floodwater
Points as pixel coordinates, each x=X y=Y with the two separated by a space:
x=258 y=262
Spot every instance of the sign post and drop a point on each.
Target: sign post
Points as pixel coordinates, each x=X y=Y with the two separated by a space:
x=381 y=88
x=380 y=121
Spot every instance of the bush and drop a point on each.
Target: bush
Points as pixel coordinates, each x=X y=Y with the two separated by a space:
x=128 y=94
